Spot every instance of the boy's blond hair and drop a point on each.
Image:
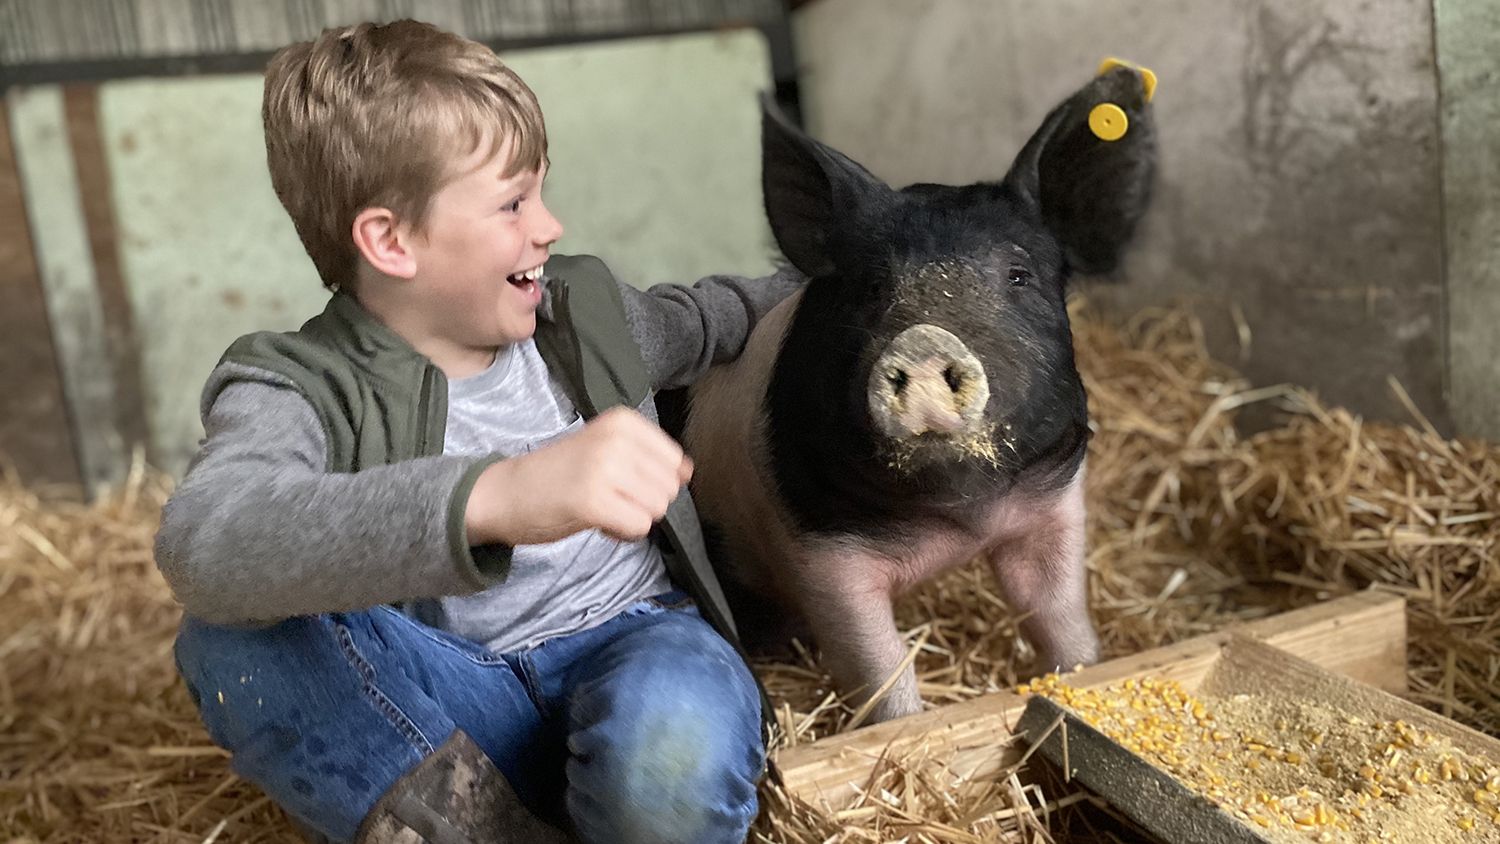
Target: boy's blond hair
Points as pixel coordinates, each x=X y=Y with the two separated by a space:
x=374 y=116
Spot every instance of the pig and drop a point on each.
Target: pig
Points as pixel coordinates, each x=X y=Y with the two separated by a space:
x=916 y=404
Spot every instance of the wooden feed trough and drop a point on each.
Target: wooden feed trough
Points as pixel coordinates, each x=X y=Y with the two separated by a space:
x=1345 y=655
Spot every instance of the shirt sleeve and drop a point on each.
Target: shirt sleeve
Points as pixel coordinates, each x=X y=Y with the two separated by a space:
x=682 y=331
x=259 y=530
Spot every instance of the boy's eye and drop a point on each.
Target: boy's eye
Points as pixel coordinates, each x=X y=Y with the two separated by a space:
x=512 y=207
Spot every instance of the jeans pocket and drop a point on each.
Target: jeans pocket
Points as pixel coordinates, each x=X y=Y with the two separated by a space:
x=369 y=683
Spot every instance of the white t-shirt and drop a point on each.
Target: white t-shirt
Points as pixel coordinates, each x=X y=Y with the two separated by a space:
x=562 y=587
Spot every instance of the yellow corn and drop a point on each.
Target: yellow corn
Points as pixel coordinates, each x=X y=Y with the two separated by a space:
x=1157 y=719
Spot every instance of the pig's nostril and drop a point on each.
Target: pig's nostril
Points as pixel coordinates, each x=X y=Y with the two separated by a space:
x=954 y=379
x=898 y=379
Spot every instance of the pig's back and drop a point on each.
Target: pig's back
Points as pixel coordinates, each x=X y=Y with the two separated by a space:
x=726 y=436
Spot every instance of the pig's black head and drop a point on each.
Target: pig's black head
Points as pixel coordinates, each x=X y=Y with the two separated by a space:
x=930 y=364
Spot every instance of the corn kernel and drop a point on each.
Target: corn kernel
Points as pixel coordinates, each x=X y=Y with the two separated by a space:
x=1466 y=822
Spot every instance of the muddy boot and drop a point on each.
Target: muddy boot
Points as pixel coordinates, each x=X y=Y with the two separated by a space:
x=454 y=796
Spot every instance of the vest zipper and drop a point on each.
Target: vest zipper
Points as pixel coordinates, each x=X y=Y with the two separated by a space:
x=424 y=413
x=573 y=350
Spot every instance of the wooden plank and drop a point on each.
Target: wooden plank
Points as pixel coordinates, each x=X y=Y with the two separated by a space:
x=59 y=234
x=34 y=433
x=96 y=196
x=1361 y=635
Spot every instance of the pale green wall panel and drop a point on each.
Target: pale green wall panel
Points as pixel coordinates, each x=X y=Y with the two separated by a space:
x=206 y=251
x=1468 y=35
x=656 y=168
x=655 y=148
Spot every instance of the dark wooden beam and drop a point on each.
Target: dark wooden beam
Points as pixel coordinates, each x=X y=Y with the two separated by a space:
x=35 y=437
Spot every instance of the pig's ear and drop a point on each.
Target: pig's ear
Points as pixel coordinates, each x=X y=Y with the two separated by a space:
x=1088 y=170
x=814 y=194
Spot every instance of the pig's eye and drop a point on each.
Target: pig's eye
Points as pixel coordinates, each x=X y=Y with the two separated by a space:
x=1019 y=276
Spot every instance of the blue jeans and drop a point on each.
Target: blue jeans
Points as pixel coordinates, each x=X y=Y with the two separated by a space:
x=644 y=728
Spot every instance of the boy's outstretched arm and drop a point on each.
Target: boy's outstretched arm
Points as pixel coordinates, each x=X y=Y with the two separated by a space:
x=258 y=530
x=682 y=331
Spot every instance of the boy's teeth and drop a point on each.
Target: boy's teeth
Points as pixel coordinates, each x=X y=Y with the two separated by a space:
x=533 y=274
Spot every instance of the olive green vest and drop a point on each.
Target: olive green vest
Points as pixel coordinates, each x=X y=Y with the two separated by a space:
x=380 y=401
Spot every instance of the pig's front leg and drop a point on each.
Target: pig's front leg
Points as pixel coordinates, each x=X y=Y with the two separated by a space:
x=845 y=595
x=1040 y=568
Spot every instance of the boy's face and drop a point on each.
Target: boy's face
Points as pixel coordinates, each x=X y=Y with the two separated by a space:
x=479 y=259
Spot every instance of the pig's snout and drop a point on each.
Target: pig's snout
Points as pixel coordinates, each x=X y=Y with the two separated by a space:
x=925 y=381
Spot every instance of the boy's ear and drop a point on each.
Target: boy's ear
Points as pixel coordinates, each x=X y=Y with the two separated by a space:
x=1088 y=170
x=384 y=242
x=814 y=195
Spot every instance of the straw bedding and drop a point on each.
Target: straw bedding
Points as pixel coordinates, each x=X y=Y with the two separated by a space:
x=1192 y=527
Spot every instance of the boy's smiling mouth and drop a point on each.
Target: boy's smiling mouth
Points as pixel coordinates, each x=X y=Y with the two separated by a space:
x=531 y=275
x=529 y=282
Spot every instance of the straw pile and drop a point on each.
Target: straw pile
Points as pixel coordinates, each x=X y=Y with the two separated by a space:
x=1192 y=527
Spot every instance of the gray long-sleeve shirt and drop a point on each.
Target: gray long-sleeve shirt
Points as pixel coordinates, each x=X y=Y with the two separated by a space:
x=259 y=530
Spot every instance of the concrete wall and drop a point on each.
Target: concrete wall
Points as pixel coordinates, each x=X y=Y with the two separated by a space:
x=655 y=151
x=1301 y=177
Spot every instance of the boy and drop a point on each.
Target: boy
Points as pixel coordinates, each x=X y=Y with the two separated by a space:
x=424 y=551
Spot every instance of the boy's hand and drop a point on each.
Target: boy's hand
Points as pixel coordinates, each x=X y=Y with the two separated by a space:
x=618 y=474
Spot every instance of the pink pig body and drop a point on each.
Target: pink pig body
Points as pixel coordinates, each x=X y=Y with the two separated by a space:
x=843 y=587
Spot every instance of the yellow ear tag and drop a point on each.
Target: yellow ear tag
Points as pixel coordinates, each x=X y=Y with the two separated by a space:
x=1148 y=78
x=1108 y=122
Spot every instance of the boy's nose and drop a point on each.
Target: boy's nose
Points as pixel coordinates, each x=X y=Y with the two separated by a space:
x=549 y=229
